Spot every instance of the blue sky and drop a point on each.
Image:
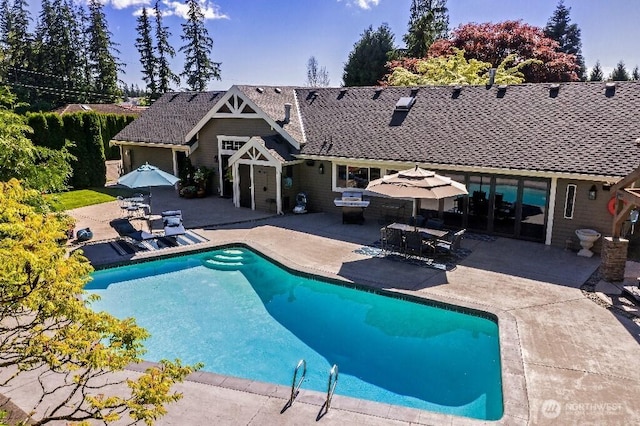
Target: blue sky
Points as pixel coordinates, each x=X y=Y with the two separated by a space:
x=270 y=41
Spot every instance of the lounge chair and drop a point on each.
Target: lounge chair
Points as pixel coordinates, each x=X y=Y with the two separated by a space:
x=172 y=223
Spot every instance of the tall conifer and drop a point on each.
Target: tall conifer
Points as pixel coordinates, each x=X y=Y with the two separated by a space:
x=596 y=73
x=144 y=44
x=620 y=73
x=560 y=29
x=428 y=22
x=103 y=64
x=164 y=52
x=199 y=69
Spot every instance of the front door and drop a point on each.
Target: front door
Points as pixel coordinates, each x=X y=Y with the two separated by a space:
x=244 y=171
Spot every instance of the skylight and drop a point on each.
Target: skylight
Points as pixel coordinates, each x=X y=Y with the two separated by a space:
x=405 y=103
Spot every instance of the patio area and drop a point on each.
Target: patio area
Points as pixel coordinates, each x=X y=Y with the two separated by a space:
x=576 y=357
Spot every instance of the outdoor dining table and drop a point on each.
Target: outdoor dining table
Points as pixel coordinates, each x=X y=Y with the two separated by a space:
x=429 y=233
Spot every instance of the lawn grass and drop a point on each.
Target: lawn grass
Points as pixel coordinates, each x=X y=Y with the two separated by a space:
x=87 y=197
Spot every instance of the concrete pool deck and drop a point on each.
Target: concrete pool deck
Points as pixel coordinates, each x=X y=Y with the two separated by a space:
x=579 y=361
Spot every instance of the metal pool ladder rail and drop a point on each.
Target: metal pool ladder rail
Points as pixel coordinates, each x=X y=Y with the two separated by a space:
x=331 y=387
x=295 y=385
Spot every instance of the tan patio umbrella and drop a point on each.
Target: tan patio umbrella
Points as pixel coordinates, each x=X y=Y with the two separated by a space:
x=417 y=183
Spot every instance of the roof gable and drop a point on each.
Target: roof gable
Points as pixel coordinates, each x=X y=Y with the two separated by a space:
x=237 y=104
x=268 y=150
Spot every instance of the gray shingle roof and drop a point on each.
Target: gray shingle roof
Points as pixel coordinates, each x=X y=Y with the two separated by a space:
x=582 y=129
x=121 y=109
x=170 y=118
x=271 y=100
x=278 y=147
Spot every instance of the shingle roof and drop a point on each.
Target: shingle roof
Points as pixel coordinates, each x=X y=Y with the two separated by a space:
x=582 y=129
x=170 y=118
x=279 y=148
x=102 y=108
x=271 y=100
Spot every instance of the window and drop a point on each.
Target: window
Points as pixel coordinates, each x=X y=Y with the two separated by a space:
x=356 y=176
x=230 y=145
x=569 y=201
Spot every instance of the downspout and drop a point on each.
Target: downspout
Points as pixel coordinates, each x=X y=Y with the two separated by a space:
x=278 y=191
x=252 y=187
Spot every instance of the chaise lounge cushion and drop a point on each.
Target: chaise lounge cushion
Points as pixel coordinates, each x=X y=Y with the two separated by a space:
x=173 y=231
x=172 y=213
x=172 y=221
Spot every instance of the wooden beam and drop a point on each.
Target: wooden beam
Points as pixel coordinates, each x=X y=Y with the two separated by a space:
x=626 y=200
x=628 y=180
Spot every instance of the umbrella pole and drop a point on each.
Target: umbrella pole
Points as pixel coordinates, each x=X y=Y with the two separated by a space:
x=414 y=213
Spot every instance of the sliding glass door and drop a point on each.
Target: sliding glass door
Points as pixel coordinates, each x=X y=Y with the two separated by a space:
x=503 y=205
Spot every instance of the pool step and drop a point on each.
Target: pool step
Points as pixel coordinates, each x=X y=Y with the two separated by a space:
x=228 y=259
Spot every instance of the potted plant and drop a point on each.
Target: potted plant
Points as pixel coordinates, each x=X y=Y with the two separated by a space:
x=200 y=177
x=188 y=191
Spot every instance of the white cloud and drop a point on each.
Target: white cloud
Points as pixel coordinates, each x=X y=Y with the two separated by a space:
x=209 y=10
x=123 y=4
x=362 y=4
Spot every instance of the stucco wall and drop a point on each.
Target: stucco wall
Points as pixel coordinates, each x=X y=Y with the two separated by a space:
x=587 y=213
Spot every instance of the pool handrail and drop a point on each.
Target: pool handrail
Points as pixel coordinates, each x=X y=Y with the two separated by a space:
x=331 y=387
x=295 y=387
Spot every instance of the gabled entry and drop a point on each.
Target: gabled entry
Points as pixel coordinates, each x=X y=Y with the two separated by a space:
x=264 y=174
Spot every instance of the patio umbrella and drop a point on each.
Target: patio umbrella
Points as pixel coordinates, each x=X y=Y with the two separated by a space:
x=417 y=183
x=147 y=176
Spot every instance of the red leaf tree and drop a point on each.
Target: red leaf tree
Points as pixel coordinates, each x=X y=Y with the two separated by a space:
x=492 y=43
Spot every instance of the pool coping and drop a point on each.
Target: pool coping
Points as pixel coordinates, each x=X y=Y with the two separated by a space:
x=514 y=389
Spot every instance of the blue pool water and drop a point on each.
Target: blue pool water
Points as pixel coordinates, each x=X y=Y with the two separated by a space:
x=258 y=321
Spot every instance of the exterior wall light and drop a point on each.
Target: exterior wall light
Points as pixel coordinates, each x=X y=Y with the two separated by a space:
x=593 y=192
x=321 y=169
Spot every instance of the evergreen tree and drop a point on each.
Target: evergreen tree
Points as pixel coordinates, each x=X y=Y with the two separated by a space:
x=164 y=53
x=198 y=67
x=144 y=44
x=103 y=64
x=428 y=22
x=635 y=75
x=58 y=61
x=5 y=24
x=19 y=39
x=596 y=73
x=620 y=73
x=560 y=29
x=84 y=79
x=366 y=65
x=316 y=76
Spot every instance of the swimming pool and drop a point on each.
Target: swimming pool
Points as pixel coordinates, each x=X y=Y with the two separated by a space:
x=244 y=316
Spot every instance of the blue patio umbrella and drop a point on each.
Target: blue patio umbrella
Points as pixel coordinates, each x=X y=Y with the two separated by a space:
x=147 y=176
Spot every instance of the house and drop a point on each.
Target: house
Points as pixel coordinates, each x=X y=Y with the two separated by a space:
x=120 y=109
x=538 y=160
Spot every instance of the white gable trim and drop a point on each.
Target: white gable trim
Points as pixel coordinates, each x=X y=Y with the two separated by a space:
x=258 y=155
x=254 y=148
x=236 y=101
x=297 y=107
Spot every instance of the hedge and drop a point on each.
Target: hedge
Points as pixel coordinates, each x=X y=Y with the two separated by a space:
x=90 y=133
